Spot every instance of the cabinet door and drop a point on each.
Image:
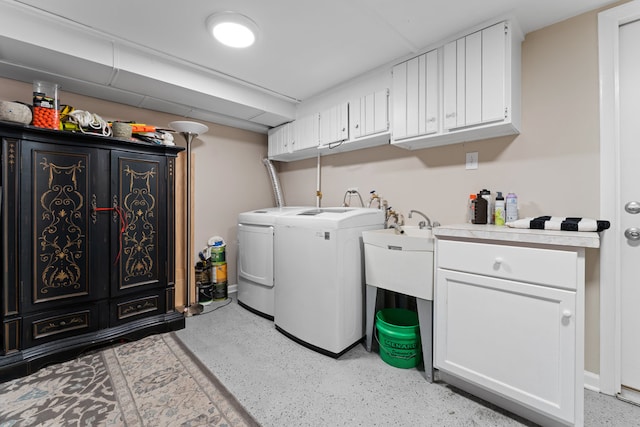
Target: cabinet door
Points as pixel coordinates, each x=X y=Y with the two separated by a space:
x=513 y=338
x=306 y=132
x=454 y=84
x=415 y=96
x=472 y=102
x=369 y=115
x=64 y=256
x=334 y=124
x=399 y=96
x=139 y=241
x=431 y=92
x=450 y=86
x=493 y=72
x=474 y=78
x=279 y=140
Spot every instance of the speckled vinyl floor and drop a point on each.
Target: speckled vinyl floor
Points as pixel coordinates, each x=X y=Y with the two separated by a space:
x=282 y=383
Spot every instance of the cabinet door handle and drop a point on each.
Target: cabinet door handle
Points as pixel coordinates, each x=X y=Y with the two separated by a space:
x=94 y=210
x=567 y=313
x=499 y=260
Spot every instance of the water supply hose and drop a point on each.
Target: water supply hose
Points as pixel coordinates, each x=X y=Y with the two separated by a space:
x=275 y=182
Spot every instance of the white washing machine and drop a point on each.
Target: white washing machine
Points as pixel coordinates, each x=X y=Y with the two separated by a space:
x=256 y=258
x=320 y=272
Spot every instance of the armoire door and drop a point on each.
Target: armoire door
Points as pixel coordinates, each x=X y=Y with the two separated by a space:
x=139 y=241
x=63 y=241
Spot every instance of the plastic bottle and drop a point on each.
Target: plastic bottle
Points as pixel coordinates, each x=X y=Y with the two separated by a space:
x=511 y=207
x=486 y=194
x=500 y=215
x=471 y=207
x=481 y=210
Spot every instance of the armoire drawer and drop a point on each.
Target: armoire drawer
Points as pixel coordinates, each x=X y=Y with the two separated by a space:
x=137 y=307
x=54 y=325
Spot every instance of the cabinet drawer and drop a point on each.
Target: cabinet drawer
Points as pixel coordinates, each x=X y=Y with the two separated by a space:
x=53 y=325
x=548 y=267
x=137 y=307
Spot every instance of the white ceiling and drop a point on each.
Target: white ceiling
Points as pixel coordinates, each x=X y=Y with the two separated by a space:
x=305 y=47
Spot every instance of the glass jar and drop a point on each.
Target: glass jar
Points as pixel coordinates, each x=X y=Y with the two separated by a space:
x=46 y=112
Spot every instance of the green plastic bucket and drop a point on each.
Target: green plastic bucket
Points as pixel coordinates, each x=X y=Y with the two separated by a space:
x=399 y=337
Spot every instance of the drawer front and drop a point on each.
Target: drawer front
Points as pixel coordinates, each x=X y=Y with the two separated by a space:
x=550 y=267
x=49 y=326
x=137 y=307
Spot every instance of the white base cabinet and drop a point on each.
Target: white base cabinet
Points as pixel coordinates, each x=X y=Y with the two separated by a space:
x=509 y=322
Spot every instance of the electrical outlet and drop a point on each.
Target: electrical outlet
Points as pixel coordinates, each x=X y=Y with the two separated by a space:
x=472 y=160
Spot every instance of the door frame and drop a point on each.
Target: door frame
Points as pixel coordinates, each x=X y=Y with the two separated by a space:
x=609 y=22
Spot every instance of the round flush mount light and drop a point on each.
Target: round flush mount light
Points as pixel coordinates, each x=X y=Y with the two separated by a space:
x=232 y=29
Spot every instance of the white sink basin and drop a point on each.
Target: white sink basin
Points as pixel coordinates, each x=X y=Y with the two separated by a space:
x=412 y=238
x=400 y=262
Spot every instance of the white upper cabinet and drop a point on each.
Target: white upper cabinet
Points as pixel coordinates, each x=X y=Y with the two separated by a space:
x=474 y=78
x=462 y=89
x=280 y=141
x=295 y=140
x=368 y=124
x=471 y=83
x=369 y=114
x=307 y=133
x=415 y=96
x=334 y=124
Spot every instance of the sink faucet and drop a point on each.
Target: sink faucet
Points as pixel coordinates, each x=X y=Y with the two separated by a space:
x=422 y=224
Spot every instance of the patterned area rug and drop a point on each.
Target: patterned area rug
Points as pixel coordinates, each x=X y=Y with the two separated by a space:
x=155 y=382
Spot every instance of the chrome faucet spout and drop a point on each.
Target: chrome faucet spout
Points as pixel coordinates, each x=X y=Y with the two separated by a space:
x=421 y=224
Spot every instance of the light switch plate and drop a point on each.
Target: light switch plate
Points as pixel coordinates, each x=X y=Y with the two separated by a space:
x=472 y=160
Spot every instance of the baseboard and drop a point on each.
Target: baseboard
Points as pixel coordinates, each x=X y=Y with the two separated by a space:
x=592 y=381
x=232 y=289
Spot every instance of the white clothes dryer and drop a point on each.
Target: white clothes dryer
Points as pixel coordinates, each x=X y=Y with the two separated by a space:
x=319 y=268
x=256 y=282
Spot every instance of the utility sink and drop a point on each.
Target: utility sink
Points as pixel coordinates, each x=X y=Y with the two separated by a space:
x=400 y=262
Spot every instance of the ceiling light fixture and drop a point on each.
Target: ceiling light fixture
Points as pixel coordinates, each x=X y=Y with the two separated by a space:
x=232 y=29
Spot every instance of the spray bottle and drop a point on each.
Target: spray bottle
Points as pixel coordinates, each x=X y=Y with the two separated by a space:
x=512 y=207
x=500 y=214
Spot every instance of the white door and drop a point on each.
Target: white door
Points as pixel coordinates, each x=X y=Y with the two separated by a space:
x=629 y=216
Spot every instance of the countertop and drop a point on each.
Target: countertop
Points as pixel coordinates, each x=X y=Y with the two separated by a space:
x=585 y=239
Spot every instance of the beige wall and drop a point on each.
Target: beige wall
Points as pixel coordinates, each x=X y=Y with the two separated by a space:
x=553 y=165
x=229 y=176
